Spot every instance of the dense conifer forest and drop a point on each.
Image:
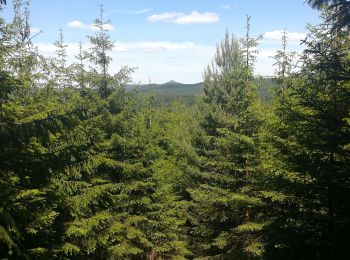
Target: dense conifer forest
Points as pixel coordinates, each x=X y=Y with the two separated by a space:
x=90 y=169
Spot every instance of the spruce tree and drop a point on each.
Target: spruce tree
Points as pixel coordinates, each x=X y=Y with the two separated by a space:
x=284 y=63
x=61 y=78
x=225 y=207
x=308 y=153
x=42 y=132
x=249 y=45
x=101 y=44
x=115 y=202
x=80 y=73
x=33 y=144
x=339 y=9
x=24 y=58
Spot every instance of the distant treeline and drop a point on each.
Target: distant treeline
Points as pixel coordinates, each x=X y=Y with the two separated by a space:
x=172 y=91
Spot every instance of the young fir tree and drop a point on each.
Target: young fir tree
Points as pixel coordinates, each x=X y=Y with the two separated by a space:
x=249 y=45
x=112 y=207
x=226 y=218
x=150 y=206
x=284 y=62
x=31 y=122
x=44 y=133
x=309 y=155
x=116 y=206
x=23 y=60
x=82 y=189
x=80 y=73
x=33 y=130
x=5 y=46
x=101 y=44
x=61 y=77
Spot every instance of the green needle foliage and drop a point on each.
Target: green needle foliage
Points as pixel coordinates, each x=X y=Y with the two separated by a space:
x=310 y=158
x=101 y=43
x=339 y=9
x=32 y=143
x=121 y=204
x=225 y=210
x=93 y=170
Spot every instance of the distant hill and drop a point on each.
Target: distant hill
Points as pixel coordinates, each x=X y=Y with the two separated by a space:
x=171 y=91
x=171 y=88
x=187 y=93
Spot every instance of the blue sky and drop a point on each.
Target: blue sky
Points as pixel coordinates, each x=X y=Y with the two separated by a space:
x=170 y=40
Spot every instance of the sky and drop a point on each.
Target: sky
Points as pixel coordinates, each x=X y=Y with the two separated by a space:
x=169 y=39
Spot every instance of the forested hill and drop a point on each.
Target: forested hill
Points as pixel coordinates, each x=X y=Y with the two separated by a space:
x=187 y=93
x=171 y=88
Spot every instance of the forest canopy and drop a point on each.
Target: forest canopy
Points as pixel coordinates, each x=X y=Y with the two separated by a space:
x=92 y=169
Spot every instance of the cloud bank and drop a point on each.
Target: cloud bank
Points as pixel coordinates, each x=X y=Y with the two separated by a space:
x=291 y=36
x=134 y=12
x=185 y=19
x=160 y=60
x=225 y=7
x=91 y=27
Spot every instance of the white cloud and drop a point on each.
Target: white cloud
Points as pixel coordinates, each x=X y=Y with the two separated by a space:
x=157 y=46
x=77 y=24
x=145 y=46
x=135 y=12
x=265 y=64
x=225 y=7
x=92 y=27
x=196 y=17
x=184 y=19
x=267 y=53
x=107 y=27
x=142 y=11
x=164 y=17
x=120 y=48
x=291 y=36
x=34 y=30
x=46 y=49
x=49 y=49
